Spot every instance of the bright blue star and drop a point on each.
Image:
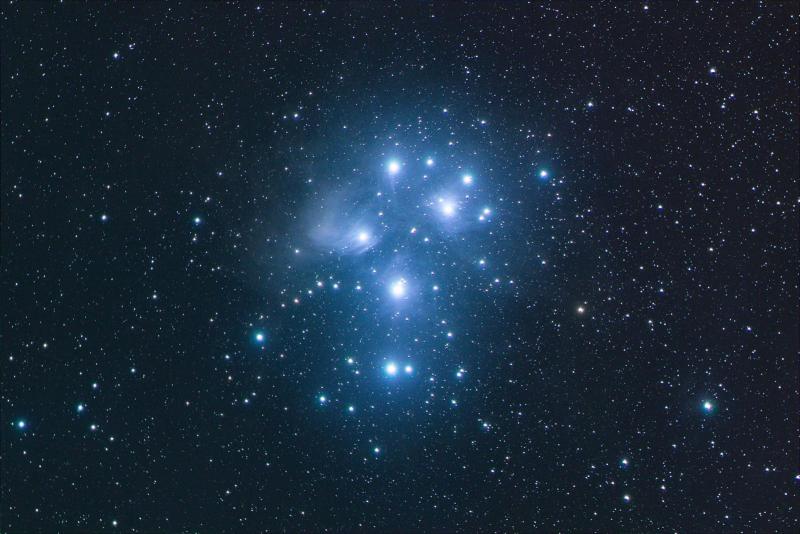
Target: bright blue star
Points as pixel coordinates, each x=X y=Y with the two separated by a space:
x=399 y=288
x=447 y=207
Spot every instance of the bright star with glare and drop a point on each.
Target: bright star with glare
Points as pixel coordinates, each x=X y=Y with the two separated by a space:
x=429 y=162
x=21 y=424
x=409 y=369
x=363 y=237
x=467 y=179
x=398 y=288
x=391 y=368
x=260 y=337
x=394 y=167
x=543 y=174
x=707 y=406
x=448 y=208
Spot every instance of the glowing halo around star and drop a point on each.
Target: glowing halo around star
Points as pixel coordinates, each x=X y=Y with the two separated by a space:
x=447 y=207
x=399 y=288
x=340 y=229
x=393 y=369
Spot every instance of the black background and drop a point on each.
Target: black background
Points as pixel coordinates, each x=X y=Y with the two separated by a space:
x=670 y=215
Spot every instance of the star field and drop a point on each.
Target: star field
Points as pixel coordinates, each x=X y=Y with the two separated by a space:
x=400 y=267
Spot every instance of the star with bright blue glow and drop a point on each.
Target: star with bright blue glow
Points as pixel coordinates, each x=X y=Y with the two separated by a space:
x=447 y=207
x=399 y=288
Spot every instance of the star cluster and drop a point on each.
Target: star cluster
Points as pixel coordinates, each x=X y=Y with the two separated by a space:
x=427 y=267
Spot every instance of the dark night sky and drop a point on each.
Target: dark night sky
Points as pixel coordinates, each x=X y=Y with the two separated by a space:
x=400 y=267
